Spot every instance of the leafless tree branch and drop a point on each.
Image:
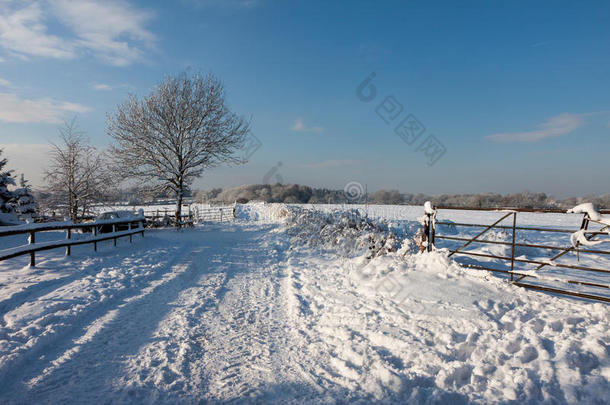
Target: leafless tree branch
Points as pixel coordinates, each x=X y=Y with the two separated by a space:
x=172 y=136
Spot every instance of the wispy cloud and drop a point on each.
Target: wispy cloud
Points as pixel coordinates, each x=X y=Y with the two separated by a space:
x=101 y=86
x=23 y=32
x=4 y=83
x=108 y=28
x=299 y=126
x=17 y=110
x=553 y=127
x=108 y=87
x=111 y=30
x=325 y=164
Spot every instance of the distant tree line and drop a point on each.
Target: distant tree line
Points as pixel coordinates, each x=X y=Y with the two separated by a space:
x=294 y=193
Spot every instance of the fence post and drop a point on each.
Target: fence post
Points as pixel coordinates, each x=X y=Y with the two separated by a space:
x=95 y=236
x=585 y=226
x=221 y=215
x=32 y=240
x=69 y=237
x=428 y=231
x=432 y=232
x=114 y=231
x=130 y=235
x=512 y=254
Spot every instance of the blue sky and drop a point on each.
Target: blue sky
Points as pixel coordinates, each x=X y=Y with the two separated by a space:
x=515 y=93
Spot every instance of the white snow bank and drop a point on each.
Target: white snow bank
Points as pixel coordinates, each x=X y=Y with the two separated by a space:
x=347 y=233
x=262 y=212
x=421 y=329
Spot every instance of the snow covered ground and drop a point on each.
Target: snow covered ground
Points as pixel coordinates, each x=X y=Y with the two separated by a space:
x=289 y=306
x=548 y=276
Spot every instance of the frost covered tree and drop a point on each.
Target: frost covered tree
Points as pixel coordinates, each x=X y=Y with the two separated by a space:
x=6 y=180
x=24 y=201
x=77 y=174
x=170 y=137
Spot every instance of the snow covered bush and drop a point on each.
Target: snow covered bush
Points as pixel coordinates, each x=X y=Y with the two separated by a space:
x=24 y=203
x=347 y=233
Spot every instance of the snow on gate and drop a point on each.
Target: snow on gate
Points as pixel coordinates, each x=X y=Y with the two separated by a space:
x=521 y=251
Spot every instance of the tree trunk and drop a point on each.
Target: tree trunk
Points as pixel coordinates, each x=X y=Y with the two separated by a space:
x=178 y=219
x=74 y=209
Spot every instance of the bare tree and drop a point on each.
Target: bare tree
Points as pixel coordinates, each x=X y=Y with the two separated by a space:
x=77 y=175
x=170 y=137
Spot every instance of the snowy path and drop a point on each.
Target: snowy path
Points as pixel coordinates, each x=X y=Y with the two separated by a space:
x=198 y=325
x=232 y=314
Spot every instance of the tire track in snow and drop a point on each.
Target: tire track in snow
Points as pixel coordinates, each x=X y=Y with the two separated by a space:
x=87 y=266
x=156 y=346
x=230 y=346
x=103 y=342
x=27 y=363
x=232 y=349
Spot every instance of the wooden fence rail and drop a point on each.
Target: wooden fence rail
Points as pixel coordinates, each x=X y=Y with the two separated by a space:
x=95 y=228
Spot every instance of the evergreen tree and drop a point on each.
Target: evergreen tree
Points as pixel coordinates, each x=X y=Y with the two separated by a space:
x=24 y=202
x=6 y=179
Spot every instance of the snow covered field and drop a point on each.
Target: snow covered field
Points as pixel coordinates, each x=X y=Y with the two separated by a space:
x=549 y=276
x=290 y=306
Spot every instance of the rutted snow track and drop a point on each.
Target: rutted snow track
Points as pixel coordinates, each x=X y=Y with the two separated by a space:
x=201 y=327
x=233 y=313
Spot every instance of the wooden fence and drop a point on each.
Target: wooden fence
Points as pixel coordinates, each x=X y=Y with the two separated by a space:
x=100 y=231
x=434 y=235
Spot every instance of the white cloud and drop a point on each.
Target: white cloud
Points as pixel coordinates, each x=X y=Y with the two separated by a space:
x=107 y=87
x=4 y=83
x=16 y=110
x=23 y=32
x=106 y=27
x=102 y=86
x=29 y=159
x=299 y=126
x=555 y=126
x=111 y=30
